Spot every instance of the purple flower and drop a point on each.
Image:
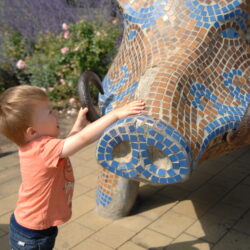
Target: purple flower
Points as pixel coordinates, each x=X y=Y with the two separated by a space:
x=30 y=17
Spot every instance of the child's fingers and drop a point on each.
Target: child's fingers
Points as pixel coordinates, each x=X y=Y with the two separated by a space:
x=137 y=108
x=135 y=111
x=137 y=103
x=85 y=110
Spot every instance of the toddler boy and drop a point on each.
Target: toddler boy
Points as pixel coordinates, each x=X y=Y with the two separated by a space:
x=45 y=194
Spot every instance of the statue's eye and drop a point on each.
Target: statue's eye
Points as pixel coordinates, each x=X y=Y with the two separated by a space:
x=230 y=33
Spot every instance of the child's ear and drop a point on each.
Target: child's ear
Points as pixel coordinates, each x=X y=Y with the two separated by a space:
x=30 y=133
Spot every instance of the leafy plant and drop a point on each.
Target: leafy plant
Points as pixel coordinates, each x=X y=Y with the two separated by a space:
x=58 y=60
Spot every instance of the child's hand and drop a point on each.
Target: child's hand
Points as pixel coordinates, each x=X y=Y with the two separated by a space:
x=79 y=139
x=132 y=108
x=81 y=119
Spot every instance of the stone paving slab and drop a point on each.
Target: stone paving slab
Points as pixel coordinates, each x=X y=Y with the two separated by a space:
x=209 y=211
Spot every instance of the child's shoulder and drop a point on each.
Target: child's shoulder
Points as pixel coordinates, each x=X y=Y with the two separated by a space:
x=40 y=142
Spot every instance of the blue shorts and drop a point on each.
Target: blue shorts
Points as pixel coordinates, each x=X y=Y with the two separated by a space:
x=21 y=238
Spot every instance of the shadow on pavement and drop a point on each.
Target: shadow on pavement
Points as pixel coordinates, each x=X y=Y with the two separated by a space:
x=4 y=229
x=186 y=245
x=7 y=153
x=151 y=197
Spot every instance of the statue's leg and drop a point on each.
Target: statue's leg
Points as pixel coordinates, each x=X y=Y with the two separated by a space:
x=115 y=196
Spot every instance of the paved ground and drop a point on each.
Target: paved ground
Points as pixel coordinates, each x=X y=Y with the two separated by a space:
x=210 y=211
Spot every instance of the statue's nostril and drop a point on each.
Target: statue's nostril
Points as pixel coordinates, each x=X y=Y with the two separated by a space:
x=122 y=152
x=158 y=158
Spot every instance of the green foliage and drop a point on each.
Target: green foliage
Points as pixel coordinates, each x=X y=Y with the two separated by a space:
x=56 y=61
x=62 y=58
x=7 y=77
x=15 y=45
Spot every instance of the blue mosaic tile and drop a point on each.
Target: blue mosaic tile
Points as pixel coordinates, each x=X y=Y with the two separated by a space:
x=169 y=130
x=134 y=146
x=173 y=158
x=103 y=143
x=167 y=142
x=159 y=137
x=159 y=145
x=140 y=130
x=163 y=180
x=147 y=161
x=180 y=156
x=132 y=174
x=178 y=178
x=113 y=143
x=171 y=172
x=162 y=172
x=135 y=160
x=146 y=173
x=132 y=128
x=175 y=149
x=112 y=132
x=144 y=153
x=140 y=169
x=106 y=138
x=133 y=138
x=152 y=132
x=175 y=165
x=108 y=149
x=114 y=164
x=125 y=137
x=153 y=168
x=166 y=151
x=143 y=145
x=155 y=179
x=100 y=157
x=184 y=171
x=108 y=157
x=204 y=14
x=171 y=180
x=150 y=141
x=101 y=149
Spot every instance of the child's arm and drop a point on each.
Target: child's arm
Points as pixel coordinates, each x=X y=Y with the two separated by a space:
x=80 y=123
x=94 y=130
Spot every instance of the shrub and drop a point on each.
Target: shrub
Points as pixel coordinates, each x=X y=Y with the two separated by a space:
x=31 y=45
x=58 y=60
x=14 y=46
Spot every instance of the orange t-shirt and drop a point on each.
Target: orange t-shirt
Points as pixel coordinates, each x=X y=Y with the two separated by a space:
x=46 y=191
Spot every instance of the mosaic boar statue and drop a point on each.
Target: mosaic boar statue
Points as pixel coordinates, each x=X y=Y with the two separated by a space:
x=190 y=61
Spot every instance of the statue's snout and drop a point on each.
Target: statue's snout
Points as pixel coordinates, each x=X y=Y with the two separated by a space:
x=145 y=149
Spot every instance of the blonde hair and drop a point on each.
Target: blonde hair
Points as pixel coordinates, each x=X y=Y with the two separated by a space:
x=16 y=110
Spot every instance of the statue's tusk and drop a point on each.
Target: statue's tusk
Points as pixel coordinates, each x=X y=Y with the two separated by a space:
x=84 y=94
